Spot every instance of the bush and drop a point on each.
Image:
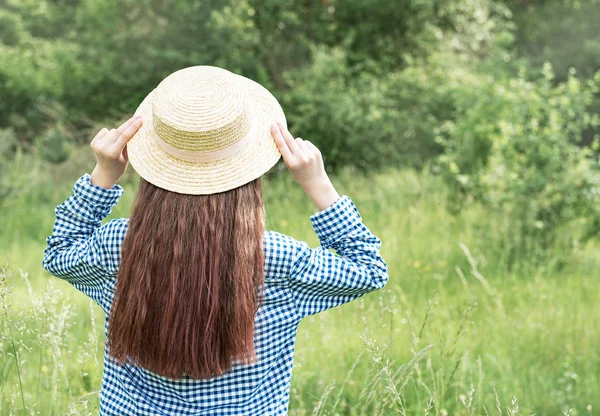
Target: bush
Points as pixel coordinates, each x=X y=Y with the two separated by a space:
x=338 y=112
x=515 y=147
x=53 y=145
x=360 y=118
x=368 y=116
x=8 y=141
x=11 y=28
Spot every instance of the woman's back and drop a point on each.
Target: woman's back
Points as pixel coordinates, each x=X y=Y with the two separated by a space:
x=297 y=281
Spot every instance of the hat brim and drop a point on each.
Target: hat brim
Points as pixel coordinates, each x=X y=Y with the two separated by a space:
x=255 y=158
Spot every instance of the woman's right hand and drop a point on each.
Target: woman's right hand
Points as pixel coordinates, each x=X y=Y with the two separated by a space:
x=305 y=163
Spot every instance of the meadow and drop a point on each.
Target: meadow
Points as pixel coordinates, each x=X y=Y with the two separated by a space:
x=490 y=227
x=454 y=331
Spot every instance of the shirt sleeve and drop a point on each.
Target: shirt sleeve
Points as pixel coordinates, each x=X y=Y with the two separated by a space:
x=321 y=279
x=81 y=250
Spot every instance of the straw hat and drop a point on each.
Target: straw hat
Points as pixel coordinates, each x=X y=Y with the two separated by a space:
x=205 y=130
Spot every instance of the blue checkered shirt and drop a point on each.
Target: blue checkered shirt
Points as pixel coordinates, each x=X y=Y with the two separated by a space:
x=299 y=281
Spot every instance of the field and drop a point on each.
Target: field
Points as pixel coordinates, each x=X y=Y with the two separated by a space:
x=453 y=332
x=476 y=124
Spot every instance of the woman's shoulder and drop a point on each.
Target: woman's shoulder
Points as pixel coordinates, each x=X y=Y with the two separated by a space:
x=114 y=230
x=281 y=251
x=279 y=241
x=112 y=235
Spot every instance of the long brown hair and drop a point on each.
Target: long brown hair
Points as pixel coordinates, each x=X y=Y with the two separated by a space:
x=189 y=280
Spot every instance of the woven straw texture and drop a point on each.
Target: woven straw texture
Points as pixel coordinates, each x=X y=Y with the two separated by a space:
x=205 y=130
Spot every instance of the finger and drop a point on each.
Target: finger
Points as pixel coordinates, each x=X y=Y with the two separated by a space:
x=109 y=137
x=127 y=134
x=100 y=134
x=289 y=139
x=280 y=141
x=310 y=146
x=125 y=125
x=114 y=134
x=301 y=144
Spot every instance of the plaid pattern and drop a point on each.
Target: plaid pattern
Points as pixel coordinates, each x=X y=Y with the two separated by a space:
x=299 y=281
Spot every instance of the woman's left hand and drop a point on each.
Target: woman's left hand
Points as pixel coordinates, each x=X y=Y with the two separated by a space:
x=109 y=147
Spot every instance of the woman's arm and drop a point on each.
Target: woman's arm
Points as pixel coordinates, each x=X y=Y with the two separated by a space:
x=320 y=279
x=81 y=250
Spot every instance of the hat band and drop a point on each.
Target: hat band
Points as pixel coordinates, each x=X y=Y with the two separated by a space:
x=204 y=156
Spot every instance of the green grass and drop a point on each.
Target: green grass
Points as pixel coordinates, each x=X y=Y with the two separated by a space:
x=452 y=333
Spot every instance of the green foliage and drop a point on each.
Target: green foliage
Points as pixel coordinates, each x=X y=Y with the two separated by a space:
x=450 y=331
x=366 y=120
x=53 y=144
x=460 y=86
x=349 y=116
x=8 y=141
x=11 y=28
x=99 y=58
x=563 y=32
x=515 y=146
x=366 y=115
x=372 y=83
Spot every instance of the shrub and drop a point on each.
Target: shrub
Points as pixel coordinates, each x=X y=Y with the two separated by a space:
x=363 y=114
x=11 y=28
x=515 y=147
x=357 y=117
x=53 y=145
x=8 y=141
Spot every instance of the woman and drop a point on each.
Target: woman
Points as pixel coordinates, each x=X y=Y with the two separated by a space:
x=202 y=302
